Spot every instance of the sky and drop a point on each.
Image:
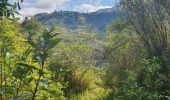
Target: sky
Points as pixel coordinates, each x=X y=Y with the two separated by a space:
x=32 y=7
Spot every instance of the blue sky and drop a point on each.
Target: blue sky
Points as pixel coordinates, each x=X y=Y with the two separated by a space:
x=32 y=7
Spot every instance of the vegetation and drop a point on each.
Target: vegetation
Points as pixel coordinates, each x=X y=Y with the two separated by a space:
x=130 y=63
x=76 y=20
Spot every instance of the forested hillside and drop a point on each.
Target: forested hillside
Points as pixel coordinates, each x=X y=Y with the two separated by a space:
x=95 y=21
x=130 y=62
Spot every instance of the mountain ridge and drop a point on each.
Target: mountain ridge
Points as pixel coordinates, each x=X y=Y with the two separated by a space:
x=75 y=20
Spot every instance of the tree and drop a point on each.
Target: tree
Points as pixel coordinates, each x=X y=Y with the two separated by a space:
x=41 y=52
x=165 y=3
x=149 y=20
x=11 y=46
x=7 y=9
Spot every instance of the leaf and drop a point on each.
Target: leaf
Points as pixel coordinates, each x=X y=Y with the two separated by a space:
x=53 y=28
x=6 y=89
x=19 y=7
x=44 y=83
x=30 y=80
x=40 y=72
x=31 y=43
x=13 y=16
x=27 y=66
x=7 y=57
x=9 y=5
x=46 y=35
x=23 y=70
x=22 y=96
x=26 y=54
x=15 y=5
x=41 y=57
x=52 y=43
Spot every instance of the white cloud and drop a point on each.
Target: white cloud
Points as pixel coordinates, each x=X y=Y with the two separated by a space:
x=91 y=8
x=30 y=11
x=32 y=7
x=50 y=4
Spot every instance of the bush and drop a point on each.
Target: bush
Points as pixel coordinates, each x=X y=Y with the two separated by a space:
x=122 y=52
x=71 y=65
x=147 y=88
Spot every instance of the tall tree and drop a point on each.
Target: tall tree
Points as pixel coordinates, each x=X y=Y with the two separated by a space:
x=149 y=19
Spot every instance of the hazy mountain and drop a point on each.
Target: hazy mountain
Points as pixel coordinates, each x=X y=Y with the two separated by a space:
x=76 y=20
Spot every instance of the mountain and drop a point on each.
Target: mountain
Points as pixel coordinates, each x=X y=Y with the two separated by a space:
x=76 y=20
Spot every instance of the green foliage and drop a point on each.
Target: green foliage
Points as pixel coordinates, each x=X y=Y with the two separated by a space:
x=22 y=69
x=72 y=61
x=7 y=10
x=36 y=64
x=122 y=52
x=149 y=24
x=76 y=21
x=31 y=27
x=131 y=88
x=41 y=49
x=129 y=76
x=10 y=44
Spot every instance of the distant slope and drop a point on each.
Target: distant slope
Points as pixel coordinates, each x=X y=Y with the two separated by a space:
x=75 y=20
